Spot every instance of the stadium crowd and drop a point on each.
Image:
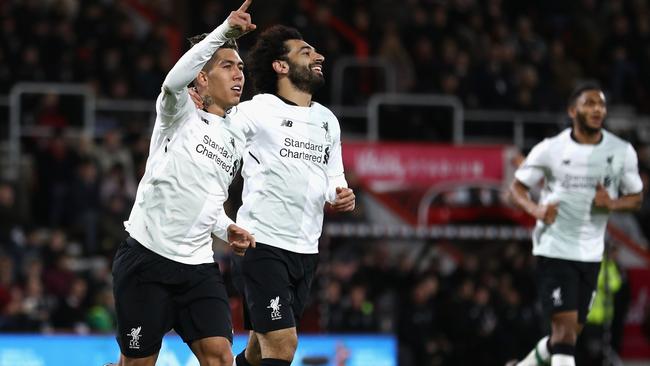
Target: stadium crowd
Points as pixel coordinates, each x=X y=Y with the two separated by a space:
x=60 y=226
x=503 y=54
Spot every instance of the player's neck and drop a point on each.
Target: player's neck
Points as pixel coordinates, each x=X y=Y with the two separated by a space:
x=289 y=92
x=586 y=137
x=216 y=109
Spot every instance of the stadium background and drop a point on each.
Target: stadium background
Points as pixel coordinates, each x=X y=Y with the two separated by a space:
x=438 y=101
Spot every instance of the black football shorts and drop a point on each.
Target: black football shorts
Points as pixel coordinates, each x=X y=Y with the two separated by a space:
x=566 y=285
x=154 y=294
x=275 y=285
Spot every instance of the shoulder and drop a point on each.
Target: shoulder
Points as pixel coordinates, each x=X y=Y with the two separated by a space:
x=321 y=109
x=615 y=141
x=326 y=114
x=550 y=143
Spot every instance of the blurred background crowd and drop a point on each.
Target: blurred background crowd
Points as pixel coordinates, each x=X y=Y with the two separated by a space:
x=62 y=221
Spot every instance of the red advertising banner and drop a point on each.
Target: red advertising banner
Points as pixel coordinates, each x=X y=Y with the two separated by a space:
x=636 y=344
x=393 y=166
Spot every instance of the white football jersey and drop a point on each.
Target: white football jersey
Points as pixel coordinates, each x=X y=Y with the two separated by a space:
x=292 y=166
x=571 y=172
x=193 y=158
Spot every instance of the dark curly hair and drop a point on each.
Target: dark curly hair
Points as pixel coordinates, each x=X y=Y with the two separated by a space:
x=231 y=43
x=270 y=46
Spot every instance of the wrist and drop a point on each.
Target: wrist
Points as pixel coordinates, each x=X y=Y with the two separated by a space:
x=532 y=209
x=221 y=32
x=611 y=205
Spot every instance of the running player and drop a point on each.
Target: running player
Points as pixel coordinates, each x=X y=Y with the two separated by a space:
x=292 y=167
x=587 y=172
x=164 y=273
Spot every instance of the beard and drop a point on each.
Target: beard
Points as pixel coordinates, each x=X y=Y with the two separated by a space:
x=581 y=119
x=304 y=78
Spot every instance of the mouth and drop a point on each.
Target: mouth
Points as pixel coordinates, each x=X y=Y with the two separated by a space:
x=596 y=118
x=318 y=68
x=237 y=89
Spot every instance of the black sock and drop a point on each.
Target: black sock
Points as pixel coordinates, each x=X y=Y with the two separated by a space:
x=274 y=362
x=563 y=349
x=241 y=359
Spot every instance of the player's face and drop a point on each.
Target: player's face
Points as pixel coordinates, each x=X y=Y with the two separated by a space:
x=226 y=78
x=305 y=66
x=590 y=111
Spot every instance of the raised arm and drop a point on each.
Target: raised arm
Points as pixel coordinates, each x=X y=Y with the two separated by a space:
x=174 y=99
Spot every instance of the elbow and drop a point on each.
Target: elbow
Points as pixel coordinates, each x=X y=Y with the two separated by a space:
x=511 y=194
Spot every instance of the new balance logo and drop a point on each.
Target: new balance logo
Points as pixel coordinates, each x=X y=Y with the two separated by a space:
x=557 y=297
x=274 y=305
x=566 y=162
x=205 y=121
x=135 y=335
x=610 y=159
x=232 y=142
x=287 y=123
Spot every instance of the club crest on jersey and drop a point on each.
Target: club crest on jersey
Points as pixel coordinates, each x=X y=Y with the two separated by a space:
x=607 y=181
x=326 y=127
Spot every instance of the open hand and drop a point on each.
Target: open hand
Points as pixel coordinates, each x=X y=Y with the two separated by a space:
x=196 y=98
x=240 y=21
x=239 y=239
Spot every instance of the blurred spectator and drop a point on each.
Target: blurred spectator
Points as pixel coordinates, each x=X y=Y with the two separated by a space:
x=420 y=332
x=84 y=204
x=70 y=312
x=101 y=315
x=359 y=316
x=11 y=217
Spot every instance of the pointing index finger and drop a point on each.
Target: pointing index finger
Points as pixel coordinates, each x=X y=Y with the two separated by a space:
x=245 y=5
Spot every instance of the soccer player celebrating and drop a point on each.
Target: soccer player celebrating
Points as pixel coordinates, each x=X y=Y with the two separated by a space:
x=164 y=273
x=292 y=167
x=584 y=169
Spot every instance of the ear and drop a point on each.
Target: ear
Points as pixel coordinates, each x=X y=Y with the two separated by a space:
x=280 y=67
x=572 y=111
x=202 y=79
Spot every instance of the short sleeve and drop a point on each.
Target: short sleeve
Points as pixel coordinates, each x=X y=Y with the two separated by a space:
x=631 y=182
x=533 y=169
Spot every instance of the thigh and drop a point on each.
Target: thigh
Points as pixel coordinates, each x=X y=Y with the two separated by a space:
x=302 y=284
x=587 y=289
x=238 y=283
x=267 y=289
x=557 y=285
x=203 y=307
x=144 y=309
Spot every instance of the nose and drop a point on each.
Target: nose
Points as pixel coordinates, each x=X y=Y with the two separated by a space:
x=239 y=74
x=319 y=58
